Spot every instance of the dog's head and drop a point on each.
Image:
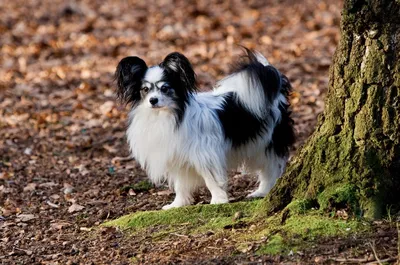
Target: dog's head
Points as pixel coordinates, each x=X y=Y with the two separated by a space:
x=166 y=86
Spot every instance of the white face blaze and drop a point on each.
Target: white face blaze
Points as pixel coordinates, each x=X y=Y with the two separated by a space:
x=154 y=74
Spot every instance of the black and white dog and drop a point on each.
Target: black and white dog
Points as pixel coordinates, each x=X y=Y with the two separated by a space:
x=190 y=138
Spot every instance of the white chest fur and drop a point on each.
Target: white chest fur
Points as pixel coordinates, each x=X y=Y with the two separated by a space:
x=151 y=136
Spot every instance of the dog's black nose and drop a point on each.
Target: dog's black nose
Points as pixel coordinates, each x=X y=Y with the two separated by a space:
x=153 y=101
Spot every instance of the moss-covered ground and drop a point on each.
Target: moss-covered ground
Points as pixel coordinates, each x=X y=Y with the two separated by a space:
x=197 y=219
x=298 y=226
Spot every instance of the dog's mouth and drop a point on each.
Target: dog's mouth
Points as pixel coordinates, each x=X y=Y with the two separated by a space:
x=157 y=107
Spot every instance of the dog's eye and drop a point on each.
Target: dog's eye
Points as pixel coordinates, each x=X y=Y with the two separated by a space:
x=165 y=88
x=145 y=89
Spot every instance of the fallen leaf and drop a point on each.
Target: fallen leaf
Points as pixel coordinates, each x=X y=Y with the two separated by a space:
x=30 y=187
x=111 y=149
x=55 y=196
x=59 y=226
x=25 y=217
x=28 y=151
x=82 y=169
x=164 y=192
x=4 y=175
x=132 y=192
x=68 y=188
x=107 y=107
x=75 y=208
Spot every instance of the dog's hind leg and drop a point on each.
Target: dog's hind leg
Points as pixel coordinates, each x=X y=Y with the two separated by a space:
x=274 y=166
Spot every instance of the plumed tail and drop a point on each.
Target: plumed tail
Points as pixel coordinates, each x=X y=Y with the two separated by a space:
x=261 y=89
x=255 y=83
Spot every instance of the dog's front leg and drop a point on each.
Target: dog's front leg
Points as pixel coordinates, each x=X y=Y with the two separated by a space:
x=183 y=186
x=217 y=189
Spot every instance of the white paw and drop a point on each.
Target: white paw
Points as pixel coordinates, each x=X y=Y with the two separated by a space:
x=219 y=200
x=257 y=194
x=169 y=206
x=175 y=204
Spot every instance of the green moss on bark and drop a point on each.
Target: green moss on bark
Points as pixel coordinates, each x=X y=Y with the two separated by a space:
x=305 y=225
x=339 y=196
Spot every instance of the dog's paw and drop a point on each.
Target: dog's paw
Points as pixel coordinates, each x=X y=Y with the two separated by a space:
x=175 y=204
x=219 y=200
x=169 y=206
x=257 y=194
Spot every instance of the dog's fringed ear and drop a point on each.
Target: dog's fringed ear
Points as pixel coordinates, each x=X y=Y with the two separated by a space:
x=129 y=74
x=177 y=64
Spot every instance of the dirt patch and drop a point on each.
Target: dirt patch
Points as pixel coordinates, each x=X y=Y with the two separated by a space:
x=62 y=132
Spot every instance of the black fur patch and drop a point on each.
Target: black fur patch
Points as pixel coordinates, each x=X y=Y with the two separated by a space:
x=239 y=125
x=283 y=136
x=129 y=74
x=179 y=74
x=178 y=68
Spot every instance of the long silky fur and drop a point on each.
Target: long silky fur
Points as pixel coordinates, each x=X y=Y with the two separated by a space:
x=244 y=122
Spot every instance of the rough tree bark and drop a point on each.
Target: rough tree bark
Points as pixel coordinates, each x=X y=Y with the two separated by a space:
x=356 y=146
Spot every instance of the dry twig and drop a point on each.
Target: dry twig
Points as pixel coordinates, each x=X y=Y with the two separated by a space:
x=375 y=255
x=350 y=260
x=121 y=159
x=380 y=261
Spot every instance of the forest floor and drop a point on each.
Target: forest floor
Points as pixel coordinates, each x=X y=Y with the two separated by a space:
x=62 y=133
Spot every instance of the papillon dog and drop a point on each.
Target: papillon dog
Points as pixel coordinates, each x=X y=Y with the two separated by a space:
x=190 y=138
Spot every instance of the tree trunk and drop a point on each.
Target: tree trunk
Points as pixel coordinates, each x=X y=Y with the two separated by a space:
x=354 y=154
